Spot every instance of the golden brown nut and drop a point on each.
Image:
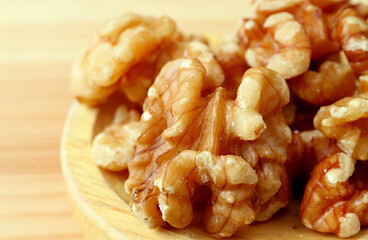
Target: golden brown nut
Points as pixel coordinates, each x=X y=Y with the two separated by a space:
x=137 y=81
x=351 y=30
x=289 y=113
x=113 y=147
x=266 y=88
x=333 y=81
x=214 y=74
x=267 y=155
x=271 y=176
x=283 y=47
x=363 y=82
x=309 y=15
x=314 y=23
x=191 y=46
x=347 y=122
x=230 y=178
x=88 y=92
x=328 y=4
x=306 y=149
x=187 y=141
x=231 y=59
x=338 y=207
x=121 y=43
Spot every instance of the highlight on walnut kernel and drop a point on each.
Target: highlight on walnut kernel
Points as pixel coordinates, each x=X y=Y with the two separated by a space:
x=217 y=126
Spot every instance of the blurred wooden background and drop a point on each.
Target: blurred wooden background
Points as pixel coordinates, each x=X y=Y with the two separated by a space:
x=38 y=41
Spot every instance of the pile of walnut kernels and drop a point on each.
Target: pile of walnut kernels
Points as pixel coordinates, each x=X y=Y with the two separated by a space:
x=222 y=128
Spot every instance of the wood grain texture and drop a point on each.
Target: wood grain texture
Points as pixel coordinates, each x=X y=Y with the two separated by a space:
x=101 y=206
x=38 y=42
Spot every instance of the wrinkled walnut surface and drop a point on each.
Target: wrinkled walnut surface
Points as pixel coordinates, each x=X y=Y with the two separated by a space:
x=336 y=197
x=180 y=149
x=218 y=121
x=137 y=81
x=340 y=207
x=280 y=44
x=347 y=122
x=113 y=147
x=351 y=30
x=333 y=81
x=306 y=149
x=120 y=44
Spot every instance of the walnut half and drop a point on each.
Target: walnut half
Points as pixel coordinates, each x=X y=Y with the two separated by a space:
x=347 y=122
x=280 y=44
x=120 y=44
x=187 y=140
x=338 y=207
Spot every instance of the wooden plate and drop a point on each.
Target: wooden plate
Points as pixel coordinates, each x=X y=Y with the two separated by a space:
x=99 y=201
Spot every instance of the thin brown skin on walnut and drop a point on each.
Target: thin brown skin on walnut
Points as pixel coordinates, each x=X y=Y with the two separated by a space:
x=233 y=70
x=231 y=59
x=267 y=155
x=363 y=83
x=346 y=121
x=289 y=112
x=179 y=126
x=137 y=81
x=347 y=205
x=311 y=17
x=280 y=44
x=276 y=199
x=336 y=177
x=120 y=44
x=333 y=81
x=306 y=149
x=328 y=4
x=315 y=25
x=171 y=151
x=350 y=29
x=115 y=145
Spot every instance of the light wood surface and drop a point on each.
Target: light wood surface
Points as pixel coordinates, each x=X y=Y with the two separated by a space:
x=39 y=39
